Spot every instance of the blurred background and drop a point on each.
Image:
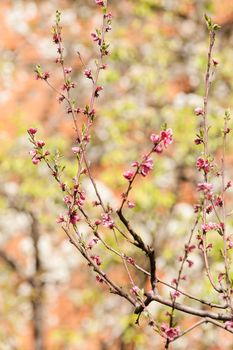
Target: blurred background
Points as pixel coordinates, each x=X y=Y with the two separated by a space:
x=49 y=298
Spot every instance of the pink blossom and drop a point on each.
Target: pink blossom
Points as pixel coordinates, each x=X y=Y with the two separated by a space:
x=33 y=154
x=130 y=204
x=99 y=279
x=229 y=184
x=158 y=149
x=228 y=324
x=166 y=137
x=135 y=164
x=74 y=218
x=67 y=70
x=96 y=38
x=215 y=61
x=56 y=38
x=92 y=243
x=175 y=294
x=203 y=164
x=229 y=242
x=210 y=226
x=32 y=131
x=170 y=332
x=43 y=76
x=109 y=16
x=96 y=259
x=40 y=143
x=128 y=174
x=190 y=263
x=190 y=248
x=97 y=90
x=60 y=219
x=97 y=222
x=209 y=209
x=63 y=186
x=35 y=160
x=61 y=98
x=146 y=166
x=107 y=220
x=155 y=138
x=204 y=186
x=67 y=199
x=82 y=195
x=199 y=111
x=218 y=201
x=221 y=276
x=135 y=290
x=99 y=2
x=198 y=141
x=131 y=260
x=68 y=85
x=103 y=66
x=197 y=208
x=75 y=150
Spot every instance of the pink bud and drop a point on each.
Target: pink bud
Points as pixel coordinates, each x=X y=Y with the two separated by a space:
x=175 y=294
x=199 y=111
x=130 y=204
x=75 y=150
x=60 y=219
x=99 y=2
x=40 y=143
x=35 y=160
x=88 y=73
x=97 y=90
x=74 y=219
x=155 y=138
x=135 y=290
x=158 y=149
x=32 y=153
x=215 y=62
x=32 y=131
x=92 y=242
x=68 y=70
x=128 y=174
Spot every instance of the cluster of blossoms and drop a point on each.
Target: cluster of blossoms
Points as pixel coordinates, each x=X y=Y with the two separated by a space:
x=96 y=259
x=37 y=153
x=204 y=187
x=175 y=294
x=212 y=226
x=73 y=217
x=107 y=220
x=162 y=140
x=146 y=166
x=203 y=164
x=169 y=333
x=199 y=111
